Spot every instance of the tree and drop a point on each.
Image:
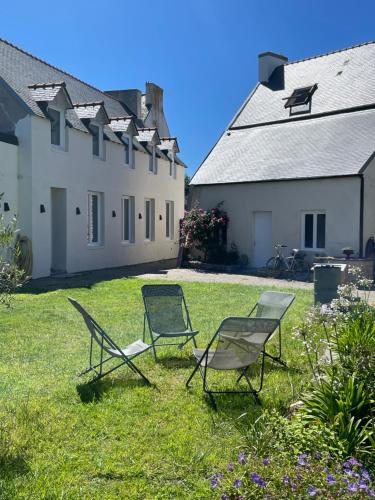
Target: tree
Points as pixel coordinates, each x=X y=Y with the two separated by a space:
x=11 y=277
x=187 y=182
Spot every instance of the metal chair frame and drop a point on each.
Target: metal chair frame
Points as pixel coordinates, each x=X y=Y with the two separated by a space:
x=189 y=334
x=101 y=337
x=242 y=372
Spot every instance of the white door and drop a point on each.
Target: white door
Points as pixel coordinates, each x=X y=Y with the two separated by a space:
x=263 y=244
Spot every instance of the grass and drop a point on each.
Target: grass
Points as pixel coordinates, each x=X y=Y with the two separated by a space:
x=60 y=438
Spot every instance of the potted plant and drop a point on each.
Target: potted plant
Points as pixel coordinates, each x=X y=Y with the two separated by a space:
x=347 y=251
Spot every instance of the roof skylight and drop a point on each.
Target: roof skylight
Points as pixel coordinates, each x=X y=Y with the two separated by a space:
x=300 y=97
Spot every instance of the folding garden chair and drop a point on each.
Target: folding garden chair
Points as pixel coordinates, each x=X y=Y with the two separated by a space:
x=273 y=305
x=166 y=315
x=236 y=345
x=110 y=348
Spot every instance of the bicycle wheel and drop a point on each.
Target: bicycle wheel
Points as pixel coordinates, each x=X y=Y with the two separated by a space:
x=274 y=264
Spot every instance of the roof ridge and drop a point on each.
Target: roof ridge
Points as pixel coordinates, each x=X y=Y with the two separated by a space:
x=330 y=52
x=56 y=68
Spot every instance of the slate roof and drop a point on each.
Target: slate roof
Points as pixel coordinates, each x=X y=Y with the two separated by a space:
x=266 y=144
x=90 y=111
x=122 y=124
x=169 y=144
x=148 y=135
x=331 y=146
x=46 y=92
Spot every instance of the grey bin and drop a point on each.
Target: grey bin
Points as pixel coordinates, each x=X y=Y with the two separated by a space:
x=327 y=277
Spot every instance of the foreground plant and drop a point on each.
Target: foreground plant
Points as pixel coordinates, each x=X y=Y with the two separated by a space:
x=303 y=476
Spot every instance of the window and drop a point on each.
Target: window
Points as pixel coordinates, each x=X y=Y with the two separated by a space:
x=149 y=219
x=169 y=220
x=172 y=166
x=97 y=140
x=57 y=119
x=128 y=150
x=153 y=162
x=314 y=230
x=128 y=221
x=95 y=218
x=300 y=100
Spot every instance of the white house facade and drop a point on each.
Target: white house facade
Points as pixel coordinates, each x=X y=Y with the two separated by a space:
x=296 y=165
x=93 y=177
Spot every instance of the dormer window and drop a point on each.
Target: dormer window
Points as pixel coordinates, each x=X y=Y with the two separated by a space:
x=153 y=161
x=128 y=150
x=57 y=119
x=300 y=100
x=97 y=140
x=172 y=165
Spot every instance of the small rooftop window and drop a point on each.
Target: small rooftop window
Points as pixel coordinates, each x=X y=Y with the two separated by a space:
x=300 y=100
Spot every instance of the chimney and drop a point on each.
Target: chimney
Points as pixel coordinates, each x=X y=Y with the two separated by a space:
x=154 y=104
x=131 y=98
x=268 y=61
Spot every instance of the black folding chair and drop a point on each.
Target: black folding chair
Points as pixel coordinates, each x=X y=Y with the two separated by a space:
x=109 y=347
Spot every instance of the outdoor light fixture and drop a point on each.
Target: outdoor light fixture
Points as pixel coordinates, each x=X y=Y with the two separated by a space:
x=42 y=209
x=113 y=213
x=139 y=216
x=6 y=206
x=78 y=211
x=160 y=217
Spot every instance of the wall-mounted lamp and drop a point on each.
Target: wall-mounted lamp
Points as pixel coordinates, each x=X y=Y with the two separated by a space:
x=6 y=206
x=78 y=211
x=42 y=209
x=113 y=213
x=160 y=217
x=139 y=216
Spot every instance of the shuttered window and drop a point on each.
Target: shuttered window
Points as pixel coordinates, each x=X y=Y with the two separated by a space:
x=55 y=117
x=169 y=219
x=149 y=219
x=128 y=219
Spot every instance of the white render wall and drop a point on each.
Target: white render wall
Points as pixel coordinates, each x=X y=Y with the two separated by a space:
x=8 y=179
x=339 y=198
x=42 y=167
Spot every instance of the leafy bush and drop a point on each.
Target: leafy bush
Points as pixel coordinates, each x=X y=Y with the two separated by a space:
x=204 y=229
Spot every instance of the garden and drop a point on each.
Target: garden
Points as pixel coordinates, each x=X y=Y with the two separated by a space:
x=311 y=436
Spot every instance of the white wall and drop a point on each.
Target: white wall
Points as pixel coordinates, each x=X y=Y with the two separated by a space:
x=43 y=167
x=8 y=179
x=369 y=203
x=339 y=198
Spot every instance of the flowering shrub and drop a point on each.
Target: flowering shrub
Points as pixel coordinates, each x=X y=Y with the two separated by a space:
x=305 y=475
x=204 y=229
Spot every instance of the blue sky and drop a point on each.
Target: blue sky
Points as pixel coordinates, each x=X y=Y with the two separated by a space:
x=202 y=52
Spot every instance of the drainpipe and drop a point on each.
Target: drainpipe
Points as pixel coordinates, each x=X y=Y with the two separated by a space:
x=361 y=211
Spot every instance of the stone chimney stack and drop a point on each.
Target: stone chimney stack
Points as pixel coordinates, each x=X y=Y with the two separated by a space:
x=268 y=62
x=130 y=97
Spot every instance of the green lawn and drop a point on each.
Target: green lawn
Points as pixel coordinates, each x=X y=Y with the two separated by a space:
x=120 y=438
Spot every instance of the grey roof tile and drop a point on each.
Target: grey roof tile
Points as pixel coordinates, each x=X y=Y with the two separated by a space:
x=322 y=147
x=148 y=135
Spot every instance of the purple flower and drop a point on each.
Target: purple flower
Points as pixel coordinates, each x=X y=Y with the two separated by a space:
x=352 y=488
x=362 y=484
x=257 y=479
x=242 y=458
x=302 y=459
x=354 y=461
x=318 y=455
x=331 y=480
x=237 y=483
x=299 y=477
x=365 y=475
x=224 y=497
x=230 y=467
x=311 y=490
x=214 y=483
x=286 y=480
x=266 y=461
x=370 y=493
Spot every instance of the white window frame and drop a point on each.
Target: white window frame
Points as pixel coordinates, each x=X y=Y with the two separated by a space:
x=131 y=219
x=150 y=213
x=127 y=137
x=100 y=241
x=315 y=214
x=100 y=156
x=169 y=220
x=61 y=112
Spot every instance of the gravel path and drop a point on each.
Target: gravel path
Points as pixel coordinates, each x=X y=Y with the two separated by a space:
x=243 y=279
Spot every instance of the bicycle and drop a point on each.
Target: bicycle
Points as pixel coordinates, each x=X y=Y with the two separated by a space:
x=295 y=263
